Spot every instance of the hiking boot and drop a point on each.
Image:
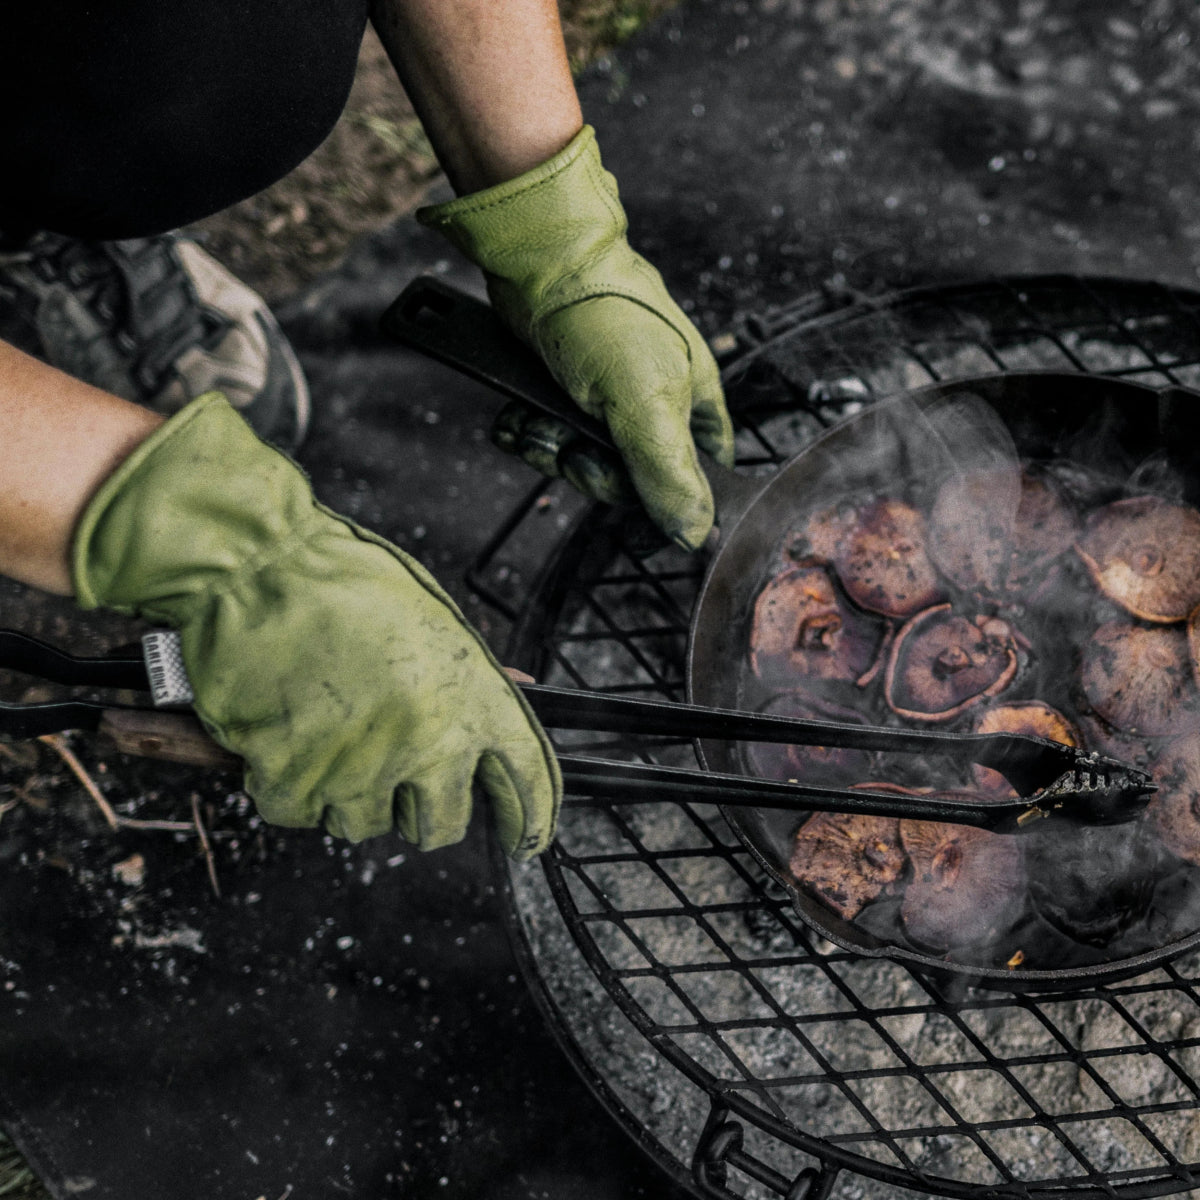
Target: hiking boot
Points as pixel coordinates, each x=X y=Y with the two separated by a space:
x=155 y=320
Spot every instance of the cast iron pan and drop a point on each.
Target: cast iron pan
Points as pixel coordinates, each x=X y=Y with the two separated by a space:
x=1123 y=431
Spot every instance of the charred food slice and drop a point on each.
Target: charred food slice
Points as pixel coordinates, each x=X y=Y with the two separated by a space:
x=943 y=663
x=822 y=534
x=1144 y=554
x=883 y=563
x=967 y=884
x=999 y=530
x=1174 y=810
x=1193 y=636
x=1092 y=882
x=802 y=628
x=1139 y=679
x=847 y=861
x=829 y=765
x=1030 y=716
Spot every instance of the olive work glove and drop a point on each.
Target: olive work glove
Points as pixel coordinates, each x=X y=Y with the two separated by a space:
x=562 y=276
x=348 y=681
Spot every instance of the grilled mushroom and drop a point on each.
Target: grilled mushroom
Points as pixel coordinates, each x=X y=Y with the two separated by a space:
x=847 y=861
x=967 y=884
x=1031 y=716
x=1144 y=554
x=822 y=534
x=1129 y=748
x=1092 y=881
x=829 y=765
x=1140 y=679
x=1174 y=810
x=802 y=628
x=1193 y=636
x=943 y=663
x=882 y=562
x=998 y=531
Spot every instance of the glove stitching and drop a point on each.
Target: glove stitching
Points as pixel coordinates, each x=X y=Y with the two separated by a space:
x=249 y=566
x=597 y=176
x=578 y=294
x=578 y=147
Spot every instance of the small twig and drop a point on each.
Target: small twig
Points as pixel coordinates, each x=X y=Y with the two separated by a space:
x=60 y=747
x=164 y=826
x=26 y=759
x=207 y=848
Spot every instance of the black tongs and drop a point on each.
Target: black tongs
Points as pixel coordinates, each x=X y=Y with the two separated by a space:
x=1053 y=780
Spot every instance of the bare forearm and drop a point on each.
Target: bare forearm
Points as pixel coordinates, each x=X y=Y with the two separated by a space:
x=62 y=439
x=489 y=80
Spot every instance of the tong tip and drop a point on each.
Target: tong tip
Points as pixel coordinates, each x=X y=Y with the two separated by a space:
x=1096 y=790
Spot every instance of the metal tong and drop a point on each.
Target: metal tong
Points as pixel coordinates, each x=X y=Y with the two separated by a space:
x=1053 y=780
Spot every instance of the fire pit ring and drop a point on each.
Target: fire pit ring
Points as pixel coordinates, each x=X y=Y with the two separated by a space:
x=747 y=1056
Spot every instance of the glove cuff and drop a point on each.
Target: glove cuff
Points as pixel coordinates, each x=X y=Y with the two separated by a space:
x=193 y=503
x=548 y=238
x=455 y=212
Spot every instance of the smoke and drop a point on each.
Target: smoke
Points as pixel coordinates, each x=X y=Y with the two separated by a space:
x=1016 y=472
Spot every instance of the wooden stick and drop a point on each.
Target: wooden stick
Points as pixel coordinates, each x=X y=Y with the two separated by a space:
x=56 y=743
x=158 y=826
x=207 y=848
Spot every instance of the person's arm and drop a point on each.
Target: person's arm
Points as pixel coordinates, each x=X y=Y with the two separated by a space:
x=62 y=439
x=350 y=684
x=539 y=214
x=489 y=80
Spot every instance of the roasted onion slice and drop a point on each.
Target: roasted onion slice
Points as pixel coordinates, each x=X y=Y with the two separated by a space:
x=967 y=884
x=943 y=663
x=1140 y=680
x=846 y=861
x=882 y=562
x=998 y=531
x=1144 y=554
x=1029 y=716
x=802 y=629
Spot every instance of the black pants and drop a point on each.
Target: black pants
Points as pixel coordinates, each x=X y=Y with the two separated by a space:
x=123 y=118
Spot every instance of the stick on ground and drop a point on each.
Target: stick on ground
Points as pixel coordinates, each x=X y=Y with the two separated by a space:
x=205 y=846
x=60 y=747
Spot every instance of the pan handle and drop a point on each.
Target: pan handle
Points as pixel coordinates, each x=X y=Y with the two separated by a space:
x=455 y=328
x=464 y=333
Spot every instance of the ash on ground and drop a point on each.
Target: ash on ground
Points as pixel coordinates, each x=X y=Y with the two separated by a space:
x=975 y=1086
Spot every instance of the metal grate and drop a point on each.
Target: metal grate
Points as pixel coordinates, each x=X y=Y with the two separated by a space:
x=751 y=1059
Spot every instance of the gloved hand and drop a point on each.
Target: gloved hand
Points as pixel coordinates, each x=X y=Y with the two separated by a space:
x=562 y=276
x=348 y=681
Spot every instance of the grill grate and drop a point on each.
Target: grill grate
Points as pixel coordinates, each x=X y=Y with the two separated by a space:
x=750 y=1058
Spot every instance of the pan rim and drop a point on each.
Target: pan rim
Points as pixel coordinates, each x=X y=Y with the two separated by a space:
x=1017 y=979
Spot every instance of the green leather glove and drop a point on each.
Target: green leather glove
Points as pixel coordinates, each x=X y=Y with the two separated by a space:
x=562 y=276
x=349 y=682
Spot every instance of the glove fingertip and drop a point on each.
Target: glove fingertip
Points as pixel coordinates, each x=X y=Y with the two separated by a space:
x=404 y=813
x=718 y=445
x=688 y=515
x=525 y=814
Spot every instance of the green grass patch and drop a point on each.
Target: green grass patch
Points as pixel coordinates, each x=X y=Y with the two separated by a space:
x=593 y=27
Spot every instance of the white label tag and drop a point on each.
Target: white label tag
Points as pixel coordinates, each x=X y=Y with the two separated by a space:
x=169 y=683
